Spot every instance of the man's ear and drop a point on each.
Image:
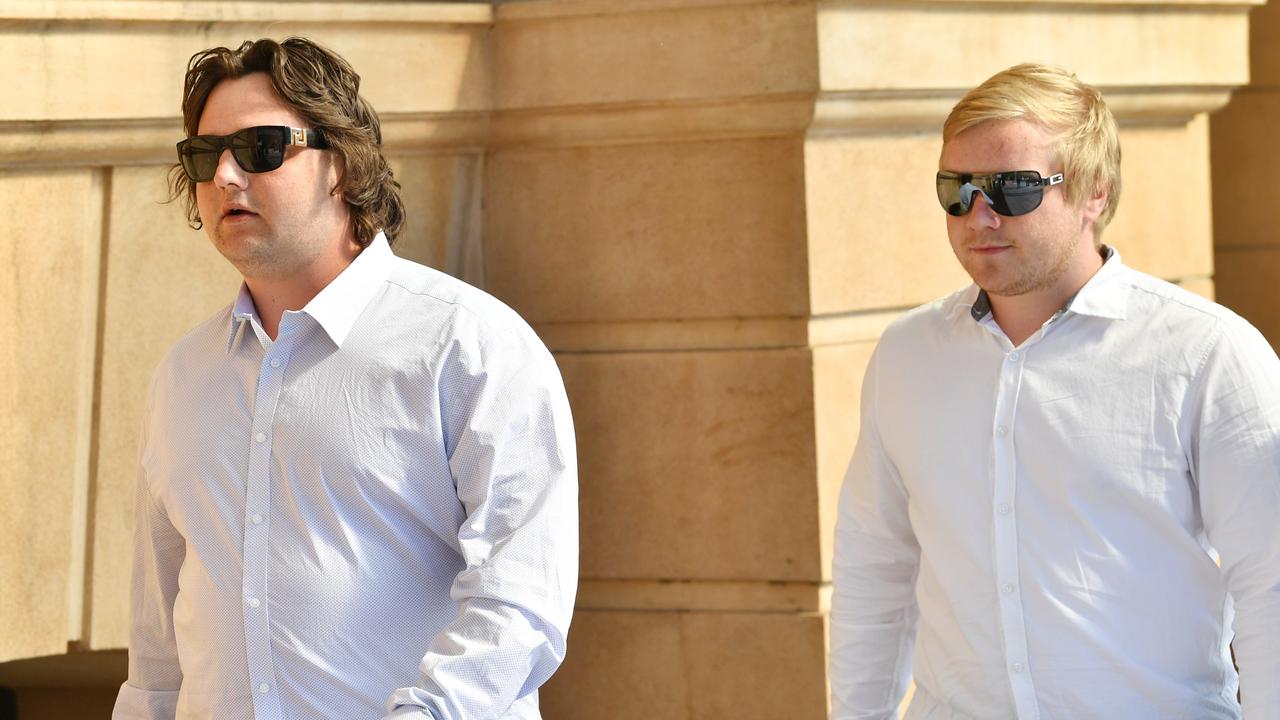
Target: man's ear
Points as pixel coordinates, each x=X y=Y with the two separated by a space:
x=1095 y=203
x=337 y=170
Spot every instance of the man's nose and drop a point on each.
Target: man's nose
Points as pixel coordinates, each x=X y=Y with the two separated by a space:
x=229 y=171
x=980 y=214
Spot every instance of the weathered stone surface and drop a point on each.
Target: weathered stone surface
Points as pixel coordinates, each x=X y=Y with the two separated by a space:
x=49 y=292
x=837 y=398
x=1163 y=170
x=1243 y=151
x=712 y=452
x=1248 y=281
x=72 y=70
x=910 y=46
x=1245 y=211
x=649 y=231
x=553 y=54
x=1264 y=51
x=877 y=238
x=691 y=666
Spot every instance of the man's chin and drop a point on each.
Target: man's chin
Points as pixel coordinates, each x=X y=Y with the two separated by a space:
x=247 y=252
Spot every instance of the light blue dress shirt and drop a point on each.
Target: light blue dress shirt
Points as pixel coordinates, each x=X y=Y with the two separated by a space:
x=1034 y=531
x=374 y=515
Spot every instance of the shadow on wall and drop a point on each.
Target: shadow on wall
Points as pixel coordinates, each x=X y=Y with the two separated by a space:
x=80 y=685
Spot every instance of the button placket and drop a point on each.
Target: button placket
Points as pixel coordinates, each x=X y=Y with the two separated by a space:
x=257 y=531
x=1005 y=532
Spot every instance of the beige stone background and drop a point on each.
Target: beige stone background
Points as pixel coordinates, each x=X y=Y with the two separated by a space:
x=709 y=209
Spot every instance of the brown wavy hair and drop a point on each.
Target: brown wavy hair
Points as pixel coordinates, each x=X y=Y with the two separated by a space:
x=325 y=90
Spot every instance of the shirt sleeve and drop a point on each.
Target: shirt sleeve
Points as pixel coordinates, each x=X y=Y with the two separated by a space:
x=511 y=449
x=151 y=691
x=1235 y=444
x=876 y=559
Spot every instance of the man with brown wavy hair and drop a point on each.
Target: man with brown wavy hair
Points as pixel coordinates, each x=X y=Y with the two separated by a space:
x=1052 y=461
x=357 y=484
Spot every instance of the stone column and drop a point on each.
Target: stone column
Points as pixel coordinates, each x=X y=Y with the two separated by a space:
x=1246 y=203
x=710 y=209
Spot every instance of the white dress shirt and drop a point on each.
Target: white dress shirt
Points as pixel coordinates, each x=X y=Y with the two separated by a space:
x=375 y=513
x=1034 y=530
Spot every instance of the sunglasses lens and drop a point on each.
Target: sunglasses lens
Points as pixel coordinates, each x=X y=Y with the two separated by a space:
x=199 y=158
x=259 y=149
x=1019 y=192
x=955 y=195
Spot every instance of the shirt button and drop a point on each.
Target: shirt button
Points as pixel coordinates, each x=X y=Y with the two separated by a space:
x=1016 y=667
x=260 y=437
x=1001 y=431
x=1006 y=588
x=1013 y=357
x=1003 y=508
x=263 y=688
x=275 y=362
x=257 y=519
x=254 y=602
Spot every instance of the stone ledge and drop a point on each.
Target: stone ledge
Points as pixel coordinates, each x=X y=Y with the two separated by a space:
x=715 y=334
x=704 y=595
x=150 y=141
x=838 y=113
x=189 y=12
x=525 y=10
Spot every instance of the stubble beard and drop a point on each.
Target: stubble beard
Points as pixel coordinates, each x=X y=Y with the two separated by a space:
x=254 y=253
x=1027 y=275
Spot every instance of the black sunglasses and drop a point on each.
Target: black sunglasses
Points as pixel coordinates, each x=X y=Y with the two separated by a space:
x=256 y=149
x=1012 y=193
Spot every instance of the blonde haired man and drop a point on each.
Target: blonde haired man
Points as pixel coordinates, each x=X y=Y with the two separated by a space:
x=1051 y=460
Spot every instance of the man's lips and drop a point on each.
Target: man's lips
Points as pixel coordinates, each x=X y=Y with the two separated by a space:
x=237 y=213
x=989 y=249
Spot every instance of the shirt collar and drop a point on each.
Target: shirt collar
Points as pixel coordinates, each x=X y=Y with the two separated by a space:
x=1104 y=295
x=243 y=313
x=1101 y=296
x=337 y=306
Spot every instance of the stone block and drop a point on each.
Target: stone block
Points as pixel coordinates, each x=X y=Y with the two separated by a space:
x=1247 y=280
x=648 y=231
x=837 y=396
x=566 y=54
x=691 y=666
x=441 y=197
x=876 y=242
x=923 y=46
x=1163 y=225
x=1244 y=154
x=695 y=465
x=70 y=66
x=51 y=252
x=1264 y=51
x=66 y=703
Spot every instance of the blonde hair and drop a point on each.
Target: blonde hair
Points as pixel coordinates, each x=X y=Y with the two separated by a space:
x=1074 y=114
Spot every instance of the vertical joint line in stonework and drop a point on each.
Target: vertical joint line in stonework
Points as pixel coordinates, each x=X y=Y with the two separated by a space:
x=84 y=495
x=464 y=251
